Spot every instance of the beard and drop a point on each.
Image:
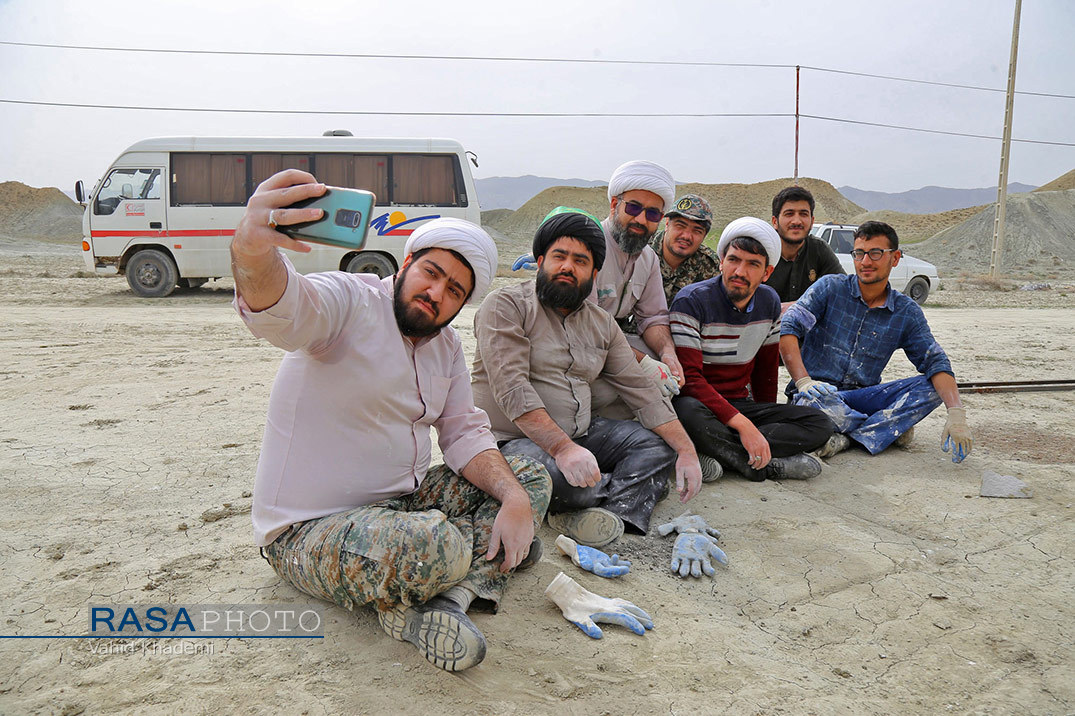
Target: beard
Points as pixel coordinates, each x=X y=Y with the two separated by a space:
x=738 y=292
x=558 y=294
x=413 y=322
x=631 y=243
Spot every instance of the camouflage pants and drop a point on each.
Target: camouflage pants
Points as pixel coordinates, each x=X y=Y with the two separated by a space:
x=407 y=549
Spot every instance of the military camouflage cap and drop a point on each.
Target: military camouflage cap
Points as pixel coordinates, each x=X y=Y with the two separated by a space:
x=692 y=206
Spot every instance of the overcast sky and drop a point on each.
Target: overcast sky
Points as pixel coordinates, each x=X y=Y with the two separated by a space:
x=963 y=42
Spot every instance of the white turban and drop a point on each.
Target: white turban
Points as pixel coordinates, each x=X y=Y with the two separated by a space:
x=644 y=175
x=468 y=239
x=757 y=229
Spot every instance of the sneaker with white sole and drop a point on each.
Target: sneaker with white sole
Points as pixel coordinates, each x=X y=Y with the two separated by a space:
x=711 y=469
x=797 y=467
x=440 y=630
x=905 y=440
x=838 y=442
x=593 y=526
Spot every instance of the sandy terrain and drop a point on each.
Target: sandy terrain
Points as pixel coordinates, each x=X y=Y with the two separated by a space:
x=886 y=585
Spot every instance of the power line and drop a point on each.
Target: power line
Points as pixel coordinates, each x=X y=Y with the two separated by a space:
x=375 y=56
x=631 y=115
x=931 y=82
x=555 y=60
x=380 y=113
x=933 y=131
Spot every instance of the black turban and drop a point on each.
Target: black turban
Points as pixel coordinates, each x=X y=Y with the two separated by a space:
x=564 y=221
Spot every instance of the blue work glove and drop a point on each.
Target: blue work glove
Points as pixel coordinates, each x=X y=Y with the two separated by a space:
x=583 y=608
x=815 y=388
x=695 y=546
x=957 y=436
x=526 y=261
x=692 y=552
x=593 y=560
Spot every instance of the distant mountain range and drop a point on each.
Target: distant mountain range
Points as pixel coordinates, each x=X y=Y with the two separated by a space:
x=928 y=199
x=513 y=192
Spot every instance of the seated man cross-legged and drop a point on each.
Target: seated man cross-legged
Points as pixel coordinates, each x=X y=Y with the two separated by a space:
x=848 y=328
x=541 y=346
x=725 y=329
x=346 y=507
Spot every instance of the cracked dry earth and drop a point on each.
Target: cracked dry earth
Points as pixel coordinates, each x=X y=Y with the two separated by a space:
x=886 y=585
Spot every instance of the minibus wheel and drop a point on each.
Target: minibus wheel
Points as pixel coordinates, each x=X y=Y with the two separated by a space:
x=151 y=274
x=371 y=262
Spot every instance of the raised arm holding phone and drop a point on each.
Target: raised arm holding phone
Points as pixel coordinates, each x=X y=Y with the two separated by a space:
x=346 y=505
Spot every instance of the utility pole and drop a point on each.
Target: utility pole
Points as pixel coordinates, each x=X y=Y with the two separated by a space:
x=796 y=125
x=1002 y=185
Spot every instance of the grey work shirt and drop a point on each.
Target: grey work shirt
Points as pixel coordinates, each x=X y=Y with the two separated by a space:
x=529 y=357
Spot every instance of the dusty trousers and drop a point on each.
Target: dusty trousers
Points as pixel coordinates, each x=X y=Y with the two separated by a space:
x=634 y=464
x=789 y=430
x=406 y=549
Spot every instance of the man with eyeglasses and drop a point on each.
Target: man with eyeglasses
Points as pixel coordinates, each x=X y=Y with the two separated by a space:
x=803 y=258
x=837 y=339
x=629 y=285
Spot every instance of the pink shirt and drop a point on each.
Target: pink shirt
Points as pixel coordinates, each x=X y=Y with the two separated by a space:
x=353 y=401
x=630 y=285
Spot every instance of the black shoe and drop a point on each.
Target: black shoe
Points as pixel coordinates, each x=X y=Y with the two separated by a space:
x=797 y=467
x=533 y=556
x=440 y=630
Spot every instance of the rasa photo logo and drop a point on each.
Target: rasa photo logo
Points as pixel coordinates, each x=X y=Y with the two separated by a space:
x=207 y=621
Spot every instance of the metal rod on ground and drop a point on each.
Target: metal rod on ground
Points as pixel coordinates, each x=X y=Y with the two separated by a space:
x=1002 y=184
x=1015 y=386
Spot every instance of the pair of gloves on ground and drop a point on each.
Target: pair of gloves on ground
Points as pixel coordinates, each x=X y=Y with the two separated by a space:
x=956 y=436
x=692 y=553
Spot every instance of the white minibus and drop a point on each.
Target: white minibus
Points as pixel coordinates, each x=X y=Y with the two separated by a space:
x=165 y=211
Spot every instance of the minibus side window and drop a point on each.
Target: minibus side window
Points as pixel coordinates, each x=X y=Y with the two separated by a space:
x=264 y=166
x=126 y=184
x=213 y=179
x=424 y=179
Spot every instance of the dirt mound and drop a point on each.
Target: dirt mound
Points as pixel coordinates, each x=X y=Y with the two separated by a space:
x=917 y=227
x=42 y=214
x=729 y=201
x=495 y=218
x=1039 y=233
x=1061 y=183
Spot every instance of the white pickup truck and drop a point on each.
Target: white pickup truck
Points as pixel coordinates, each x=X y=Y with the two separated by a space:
x=913 y=277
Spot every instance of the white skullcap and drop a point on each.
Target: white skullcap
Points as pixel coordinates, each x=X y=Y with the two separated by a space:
x=757 y=229
x=644 y=175
x=468 y=239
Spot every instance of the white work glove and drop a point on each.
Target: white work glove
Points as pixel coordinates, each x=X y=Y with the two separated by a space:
x=814 y=388
x=582 y=608
x=956 y=434
x=660 y=374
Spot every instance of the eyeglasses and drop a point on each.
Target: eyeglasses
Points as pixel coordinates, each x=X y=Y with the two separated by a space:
x=633 y=208
x=874 y=254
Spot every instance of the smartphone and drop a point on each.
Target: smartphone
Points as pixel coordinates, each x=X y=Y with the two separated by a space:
x=344 y=223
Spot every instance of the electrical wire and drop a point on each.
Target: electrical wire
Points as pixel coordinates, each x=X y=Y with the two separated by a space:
x=563 y=60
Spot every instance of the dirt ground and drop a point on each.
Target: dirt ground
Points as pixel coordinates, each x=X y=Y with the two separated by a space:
x=886 y=585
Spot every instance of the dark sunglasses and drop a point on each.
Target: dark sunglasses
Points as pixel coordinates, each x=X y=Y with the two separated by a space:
x=874 y=254
x=633 y=208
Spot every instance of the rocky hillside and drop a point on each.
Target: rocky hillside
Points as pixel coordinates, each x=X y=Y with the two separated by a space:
x=1039 y=236
x=42 y=214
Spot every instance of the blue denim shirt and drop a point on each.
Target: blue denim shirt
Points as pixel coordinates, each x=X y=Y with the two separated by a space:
x=848 y=344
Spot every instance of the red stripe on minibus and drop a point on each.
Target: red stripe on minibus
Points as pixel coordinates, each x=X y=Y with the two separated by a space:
x=162 y=234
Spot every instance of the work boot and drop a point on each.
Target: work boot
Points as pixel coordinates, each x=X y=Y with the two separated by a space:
x=905 y=440
x=533 y=556
x=838 y=442
x=440 y=630
x=711 y=469
x=797 y=467
x=593 y=526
